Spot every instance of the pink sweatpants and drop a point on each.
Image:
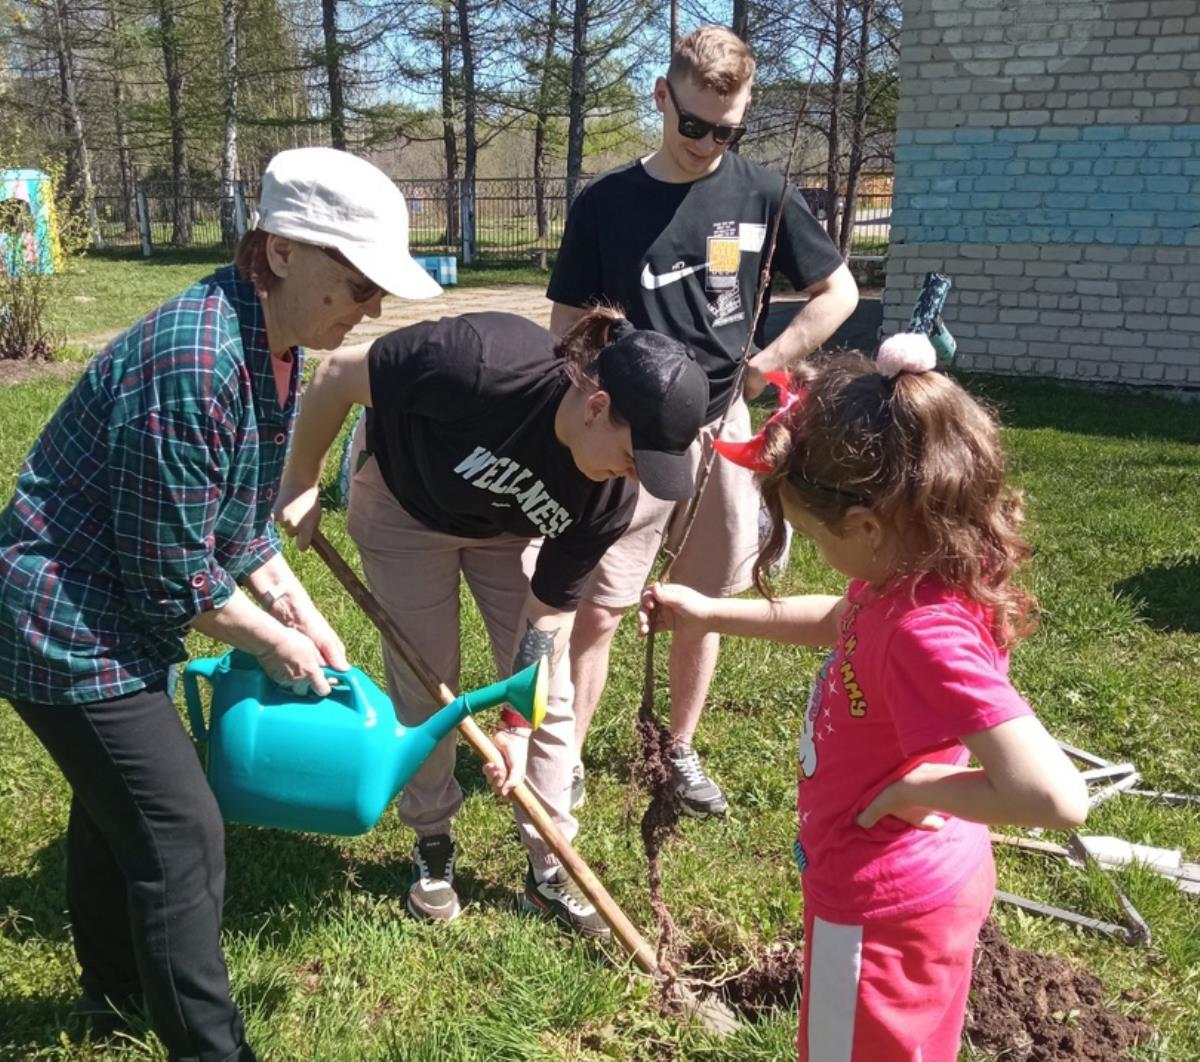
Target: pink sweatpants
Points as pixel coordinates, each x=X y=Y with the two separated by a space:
x=893 y=991
x=415 y=574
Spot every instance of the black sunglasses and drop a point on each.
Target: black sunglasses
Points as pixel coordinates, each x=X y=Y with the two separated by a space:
x=697 y=128
x=361 y=289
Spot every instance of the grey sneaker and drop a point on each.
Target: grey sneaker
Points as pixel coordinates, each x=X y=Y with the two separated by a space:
x=578 y=793
x=698 y=795
x=431 y=897
x=561 y=899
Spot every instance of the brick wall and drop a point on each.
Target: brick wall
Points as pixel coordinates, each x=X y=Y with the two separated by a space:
x=1048 y=160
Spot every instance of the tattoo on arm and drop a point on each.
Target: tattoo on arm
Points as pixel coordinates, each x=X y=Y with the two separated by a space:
x=534 y=644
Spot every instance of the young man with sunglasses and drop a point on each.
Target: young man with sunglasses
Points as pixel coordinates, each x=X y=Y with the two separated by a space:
x=676 y=240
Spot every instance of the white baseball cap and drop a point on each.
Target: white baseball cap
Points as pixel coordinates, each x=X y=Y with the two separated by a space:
x=330 y=198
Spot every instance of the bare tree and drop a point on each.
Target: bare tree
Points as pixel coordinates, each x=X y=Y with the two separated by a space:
x=125 y=170
x=449 y=135
x=181 y=217
x=79 y=171
x=858 y=124
x=333 y=75
x=470 y=130
x=575 y=126
x=839 y=27
x=540 y=119
x=739 y=23
x=229 y=159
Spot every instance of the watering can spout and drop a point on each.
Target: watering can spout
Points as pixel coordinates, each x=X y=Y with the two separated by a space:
x=526 y=691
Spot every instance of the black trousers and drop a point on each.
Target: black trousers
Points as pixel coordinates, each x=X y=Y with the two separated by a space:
x=145 y=867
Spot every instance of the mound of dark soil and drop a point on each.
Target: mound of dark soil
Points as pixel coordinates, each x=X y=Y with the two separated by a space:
x=1040 y=1008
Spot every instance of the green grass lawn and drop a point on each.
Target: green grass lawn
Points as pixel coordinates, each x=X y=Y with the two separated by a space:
x=327 y=966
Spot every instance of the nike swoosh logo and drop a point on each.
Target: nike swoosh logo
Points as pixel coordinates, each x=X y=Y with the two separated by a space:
x=650 y=281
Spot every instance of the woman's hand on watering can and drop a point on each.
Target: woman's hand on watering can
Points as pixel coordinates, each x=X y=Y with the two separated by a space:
x=292 y=660
x=513 y=743
x=296 y=609
x=298 y=511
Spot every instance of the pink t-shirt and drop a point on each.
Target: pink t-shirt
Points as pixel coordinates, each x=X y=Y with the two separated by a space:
x=912 y=673
x=281 y=366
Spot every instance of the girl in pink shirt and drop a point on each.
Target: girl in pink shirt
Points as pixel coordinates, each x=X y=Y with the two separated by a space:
x=897 y=476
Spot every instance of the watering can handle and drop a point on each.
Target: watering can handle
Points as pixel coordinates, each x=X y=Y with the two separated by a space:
x=352 y=680
x=191 y=693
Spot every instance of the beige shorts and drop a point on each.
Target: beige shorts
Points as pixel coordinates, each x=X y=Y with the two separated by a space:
x=718 y=556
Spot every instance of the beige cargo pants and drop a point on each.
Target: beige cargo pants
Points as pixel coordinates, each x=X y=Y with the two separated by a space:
x=415 y=572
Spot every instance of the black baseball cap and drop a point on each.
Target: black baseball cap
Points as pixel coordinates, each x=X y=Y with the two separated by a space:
x=657 y=387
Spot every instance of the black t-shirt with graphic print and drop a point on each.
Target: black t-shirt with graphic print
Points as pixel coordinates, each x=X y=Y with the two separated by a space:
x=684 y=259
x=462 y=426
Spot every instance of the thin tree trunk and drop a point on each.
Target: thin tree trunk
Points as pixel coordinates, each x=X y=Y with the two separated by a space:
x=837 y=76
x=675 y=25
x=78 y=169
x=229 y=156
x=575 y=128
x=539 y=130
x=858 y=128
x=181 y=220
x=449 y=137
x=120 y=127
x=740 y=24
x=470 y=133
x=333 y=71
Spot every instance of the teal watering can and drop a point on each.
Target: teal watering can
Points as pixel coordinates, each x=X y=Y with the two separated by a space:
x=323 y=764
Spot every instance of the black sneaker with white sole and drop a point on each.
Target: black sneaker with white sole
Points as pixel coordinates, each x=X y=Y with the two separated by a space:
x=698 y=795
x=431 y=897
x=561 y=899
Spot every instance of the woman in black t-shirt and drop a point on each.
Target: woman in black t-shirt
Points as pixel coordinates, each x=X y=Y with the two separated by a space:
x=491 y=453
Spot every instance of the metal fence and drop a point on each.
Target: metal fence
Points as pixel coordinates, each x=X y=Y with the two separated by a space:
x=116 y=221
x=512 y=218
x=872 y=224
x=147 y=217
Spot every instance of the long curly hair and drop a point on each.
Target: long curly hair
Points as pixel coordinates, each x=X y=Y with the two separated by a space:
x=923 y=456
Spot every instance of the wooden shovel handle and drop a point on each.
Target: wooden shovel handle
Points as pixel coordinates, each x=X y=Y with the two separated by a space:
x=631 y=940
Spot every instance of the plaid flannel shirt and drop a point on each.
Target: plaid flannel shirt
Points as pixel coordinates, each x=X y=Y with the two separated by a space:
x=146 y=497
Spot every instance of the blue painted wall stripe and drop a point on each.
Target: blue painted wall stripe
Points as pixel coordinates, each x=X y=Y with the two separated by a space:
x=1103 y=184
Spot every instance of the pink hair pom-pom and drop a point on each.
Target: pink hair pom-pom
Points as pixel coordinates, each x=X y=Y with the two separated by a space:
x=905 y=352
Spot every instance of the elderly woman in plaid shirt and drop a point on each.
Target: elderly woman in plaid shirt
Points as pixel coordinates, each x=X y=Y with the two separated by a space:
x=142 y=506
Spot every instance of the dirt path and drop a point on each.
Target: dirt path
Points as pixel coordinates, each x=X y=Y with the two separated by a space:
x=524 y=299
x=19 y=372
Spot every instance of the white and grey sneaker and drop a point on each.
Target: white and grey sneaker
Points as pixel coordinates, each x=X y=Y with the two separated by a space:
x=578 y=793
x=561 y=899
x=431 y=897
x=698 y=795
